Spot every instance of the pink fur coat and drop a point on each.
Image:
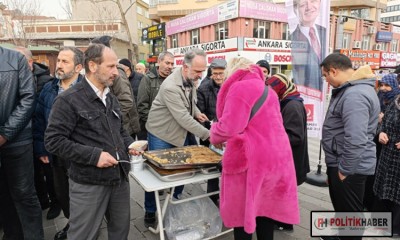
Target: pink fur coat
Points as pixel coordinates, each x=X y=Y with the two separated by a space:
x=258 y=175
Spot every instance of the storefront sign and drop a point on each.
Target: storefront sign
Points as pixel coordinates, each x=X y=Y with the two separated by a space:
x=259 y=44
x=262 y=10
x=203 y=18
x=388 y=59
x=362 y=57
x=153 y=32
x=384 y=36
x=209 y=47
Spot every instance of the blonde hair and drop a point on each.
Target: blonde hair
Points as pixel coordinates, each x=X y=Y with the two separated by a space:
x=237 y=63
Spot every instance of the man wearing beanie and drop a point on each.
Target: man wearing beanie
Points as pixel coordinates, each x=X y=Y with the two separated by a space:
x=264 y=65
x=133 y=76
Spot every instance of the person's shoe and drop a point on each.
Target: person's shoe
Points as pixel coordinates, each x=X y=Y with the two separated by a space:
x=53 y=212
x=62 y=234
x=150 y=219
x=283 y=227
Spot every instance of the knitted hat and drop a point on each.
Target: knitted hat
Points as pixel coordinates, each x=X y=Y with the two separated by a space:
x=264 y=63
x=126 y=62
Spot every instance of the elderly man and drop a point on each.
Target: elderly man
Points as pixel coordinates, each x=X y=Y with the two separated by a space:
x=140 y=68
x=19 y=204
x=172 y=116
x=85 y=127
x=207 y=102
x=149 y=87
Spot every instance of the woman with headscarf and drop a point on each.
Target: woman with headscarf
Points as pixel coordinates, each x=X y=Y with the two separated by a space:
x=295 y=122
x=387 y=176
x=258 y=184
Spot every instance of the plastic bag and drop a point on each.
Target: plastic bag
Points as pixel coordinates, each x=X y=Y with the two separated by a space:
x=192 y=220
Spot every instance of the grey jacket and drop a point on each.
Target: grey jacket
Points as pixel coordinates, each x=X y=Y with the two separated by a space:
x=350 y=126
x=17 y=98
x=169 y=117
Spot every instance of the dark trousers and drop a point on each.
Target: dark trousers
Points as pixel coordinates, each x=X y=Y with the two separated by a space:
x=346 y=195
x=61 y=186
x=44 y=182
x=18 y=200
x=264 y=230
x=389 y=206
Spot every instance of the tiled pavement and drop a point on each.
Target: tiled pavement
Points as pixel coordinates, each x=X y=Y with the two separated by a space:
x=310 y=198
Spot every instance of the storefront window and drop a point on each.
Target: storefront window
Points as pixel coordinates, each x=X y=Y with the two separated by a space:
x=174 y=39
x=365 y=42
x=285 y=31
x=360 y=13
x=261 y=29
x=346 y=40
x=394 y=46
x=221 y=31
x=195 y=37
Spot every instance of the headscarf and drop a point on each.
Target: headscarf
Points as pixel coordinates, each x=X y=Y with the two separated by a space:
x=285 y=88
x=391 y=80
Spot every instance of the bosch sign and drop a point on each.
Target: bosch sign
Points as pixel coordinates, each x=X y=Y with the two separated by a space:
x=283 y=58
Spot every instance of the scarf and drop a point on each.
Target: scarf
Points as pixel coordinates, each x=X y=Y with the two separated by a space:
x=285 y=88
x=391 y=80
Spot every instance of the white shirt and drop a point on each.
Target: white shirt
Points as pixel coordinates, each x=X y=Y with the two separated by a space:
x=306 y=32
x=100 y=94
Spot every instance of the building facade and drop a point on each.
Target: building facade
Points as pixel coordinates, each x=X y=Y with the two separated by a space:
x=259 y=30
x=143 y=21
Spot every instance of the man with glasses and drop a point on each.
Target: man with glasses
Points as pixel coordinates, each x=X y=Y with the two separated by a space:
x=173 y=115
x=207 y=102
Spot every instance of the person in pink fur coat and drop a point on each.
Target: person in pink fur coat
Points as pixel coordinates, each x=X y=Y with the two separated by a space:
x=258 y=183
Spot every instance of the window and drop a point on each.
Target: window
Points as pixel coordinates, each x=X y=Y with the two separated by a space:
x=343 y=11
x=261 y=29
x=360 y=13
x=139 y=25
x=346 y=41
x=146 y=14
x=139 y=10
x=174 y=41
x=394 y=46
x=365 y=42
x=221 y=31
x=384 y=47
x=285 y=32
x=142 y=56
x=195 y=37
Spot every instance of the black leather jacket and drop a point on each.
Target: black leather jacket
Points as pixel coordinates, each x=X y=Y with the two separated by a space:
x=81 y=127
x=17 y=98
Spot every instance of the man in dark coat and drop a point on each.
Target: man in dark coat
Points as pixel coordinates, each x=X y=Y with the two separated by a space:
x=206 y=102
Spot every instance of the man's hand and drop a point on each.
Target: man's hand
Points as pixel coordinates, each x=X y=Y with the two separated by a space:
x=380 y=117
x=398 y=145
x=341 y=176
x=201 y=117
x=383 y=138
x=44 y=159
x=3 y=140
x=106 y=160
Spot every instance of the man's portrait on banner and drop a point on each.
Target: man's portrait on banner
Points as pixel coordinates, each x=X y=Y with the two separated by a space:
x=308 y=29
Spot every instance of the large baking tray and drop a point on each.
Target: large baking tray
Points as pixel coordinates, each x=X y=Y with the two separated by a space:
x=171 y=175
x=183 y=158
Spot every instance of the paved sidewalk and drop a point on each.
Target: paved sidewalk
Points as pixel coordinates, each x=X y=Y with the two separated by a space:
x=310 y=198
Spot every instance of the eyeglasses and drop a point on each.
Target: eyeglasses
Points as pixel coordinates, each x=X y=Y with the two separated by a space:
x=218 y=74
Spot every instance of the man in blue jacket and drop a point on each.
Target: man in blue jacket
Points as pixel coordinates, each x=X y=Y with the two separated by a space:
x=69 y=64
x=19 y=204
x=348 y=131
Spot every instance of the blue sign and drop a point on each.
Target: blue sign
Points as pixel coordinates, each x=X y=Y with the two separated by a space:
x=384 y=36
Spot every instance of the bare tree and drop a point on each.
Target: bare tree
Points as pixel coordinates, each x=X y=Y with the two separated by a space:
x=123 y=11
x=66 y=7
x=21 y=13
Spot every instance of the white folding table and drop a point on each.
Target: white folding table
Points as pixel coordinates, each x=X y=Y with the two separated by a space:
x=150 y=183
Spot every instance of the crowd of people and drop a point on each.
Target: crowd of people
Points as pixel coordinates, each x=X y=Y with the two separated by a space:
x=64 y=139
